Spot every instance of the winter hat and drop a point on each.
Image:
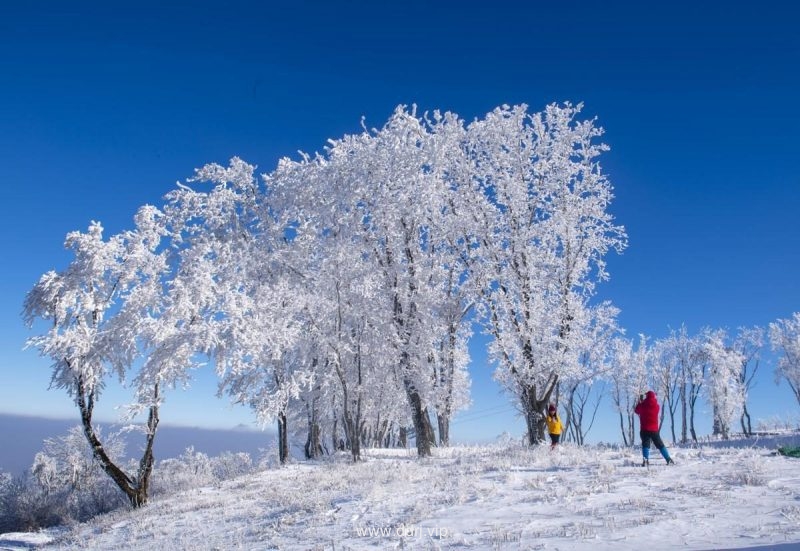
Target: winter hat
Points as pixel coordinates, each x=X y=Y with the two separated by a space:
x=551 y=409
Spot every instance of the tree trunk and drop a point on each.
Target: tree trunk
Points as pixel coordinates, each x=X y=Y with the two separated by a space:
x=622 y=428
x=381 y=432
x=283 y=438
x=444 y=413
x=338 y=443
x=422 y=423
x=402 y=438
x=313 y=446
x=631 y=427
x=136 y=489
x=534 y=420
x=717 y=428
x=684 y=409
x=691 y=420
x=147 y=461
x=353 y=437
x=747 y=428
x=443 y=421
x=351 y=419
x=535 y=410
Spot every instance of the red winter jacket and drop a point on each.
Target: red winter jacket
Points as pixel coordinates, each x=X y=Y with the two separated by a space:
x=647 y=410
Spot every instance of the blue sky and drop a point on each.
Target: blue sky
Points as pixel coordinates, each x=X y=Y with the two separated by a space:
x=104 y=107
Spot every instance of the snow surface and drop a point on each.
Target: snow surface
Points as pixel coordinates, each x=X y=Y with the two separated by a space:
x=490 y=497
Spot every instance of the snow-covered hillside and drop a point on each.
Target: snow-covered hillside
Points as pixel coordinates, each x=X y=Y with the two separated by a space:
x=491 y=497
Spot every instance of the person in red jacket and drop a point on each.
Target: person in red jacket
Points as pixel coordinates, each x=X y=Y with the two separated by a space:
x=647 y=409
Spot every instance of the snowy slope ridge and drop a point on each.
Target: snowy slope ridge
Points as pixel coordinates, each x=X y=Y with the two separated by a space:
x=490 y=497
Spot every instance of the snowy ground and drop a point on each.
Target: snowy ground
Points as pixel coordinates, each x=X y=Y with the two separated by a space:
x=494 y=497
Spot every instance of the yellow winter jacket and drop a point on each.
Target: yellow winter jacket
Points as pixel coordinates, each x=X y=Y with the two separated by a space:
x=554 y=424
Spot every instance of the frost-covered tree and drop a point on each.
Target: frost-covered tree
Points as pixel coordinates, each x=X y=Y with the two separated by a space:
x=749 y=343
x=405 y=215
x=666 y=380
x=235 y=272
x=724 y=387
x=68 y=462
x=312 y=411
x=346 y=314
x=680 y=363
x=693 y=362
x=65 y=484
x=96 y=309
x=546 y=230
x=397 y=196
x=582 y=392
x=629 y=381
x=784 y=335
x=451 y=259
x=449 y=360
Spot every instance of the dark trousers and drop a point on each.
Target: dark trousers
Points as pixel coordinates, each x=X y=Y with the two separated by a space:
x=651 y=436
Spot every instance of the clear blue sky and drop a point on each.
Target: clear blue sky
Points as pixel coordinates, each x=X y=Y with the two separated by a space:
x=103 y=107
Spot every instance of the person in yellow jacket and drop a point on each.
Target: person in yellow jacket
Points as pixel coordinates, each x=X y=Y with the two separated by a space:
x=554 y=426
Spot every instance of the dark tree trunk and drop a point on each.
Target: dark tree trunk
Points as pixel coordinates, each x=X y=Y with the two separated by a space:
x=381 y=430
x=351 y=419
x=387 y=435
x=283 y=438
x=147 y=461
x=353 y=437
x=313 y=446
x=684 y=407
x=422 y=423
x=624 y=432
x=692 y=430
x=136 y=489
x=747 y=428
x=444 y=413
x=535 y=410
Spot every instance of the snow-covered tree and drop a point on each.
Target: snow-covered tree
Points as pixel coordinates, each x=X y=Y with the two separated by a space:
x=96 y=310
x=391 y=188
x=784 y=335
x=405 y=211
x=583 y=396
x=451 y=258
x=68 y=462
x=680 y=364
x=546 y=230
x=749 y=343
x=724 y=388
x=450 y=359
x=346 y=315
x=666 y=380
x=235 y=272
x=629 y=381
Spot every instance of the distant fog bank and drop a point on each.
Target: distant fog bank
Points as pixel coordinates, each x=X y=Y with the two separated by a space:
x=23 y=437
